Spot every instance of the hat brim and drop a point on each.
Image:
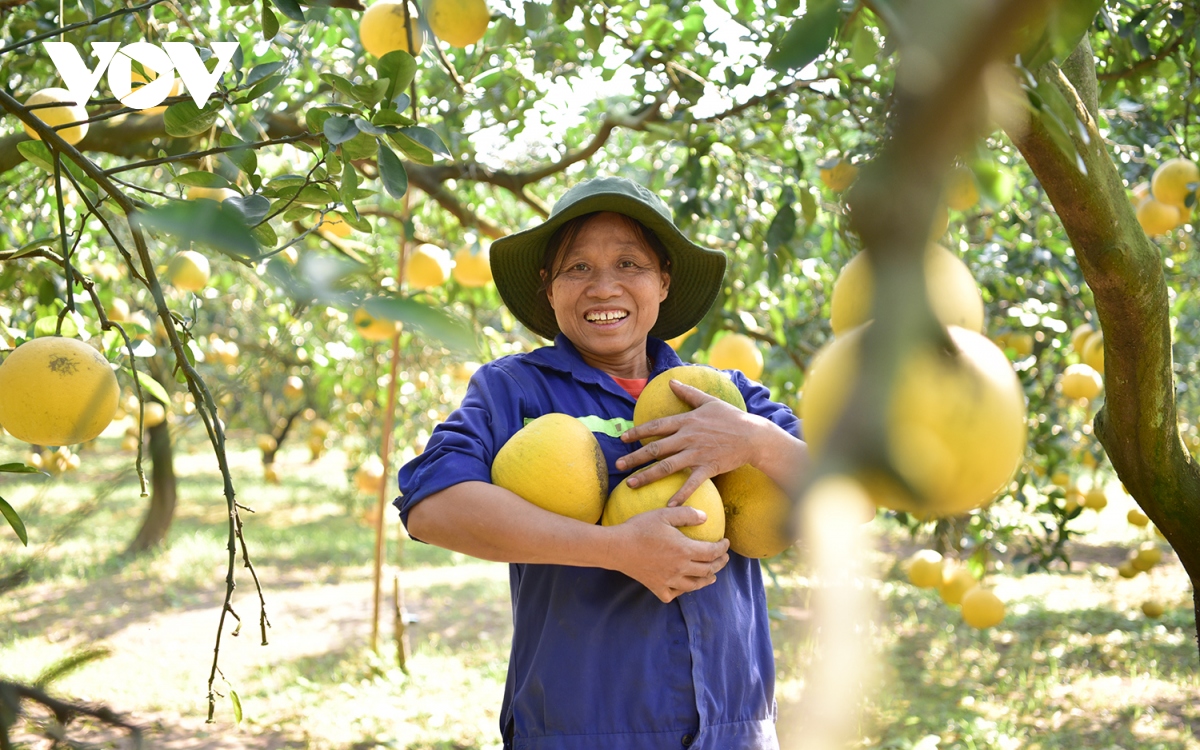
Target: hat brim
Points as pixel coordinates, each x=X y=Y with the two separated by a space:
x=696 y=272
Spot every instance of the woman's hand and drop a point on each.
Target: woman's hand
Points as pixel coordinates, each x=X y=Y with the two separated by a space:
x=711 y=439
x=650 y=549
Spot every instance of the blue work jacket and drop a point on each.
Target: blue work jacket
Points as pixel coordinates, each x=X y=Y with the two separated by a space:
x=597 y=660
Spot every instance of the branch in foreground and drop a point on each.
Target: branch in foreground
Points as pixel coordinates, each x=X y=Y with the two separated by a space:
x=13 y=693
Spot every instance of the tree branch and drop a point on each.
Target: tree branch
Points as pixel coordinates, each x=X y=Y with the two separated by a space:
x=1145 y=63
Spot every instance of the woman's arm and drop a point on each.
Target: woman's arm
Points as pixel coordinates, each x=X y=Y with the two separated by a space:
x=490 y=522
x=711 y=439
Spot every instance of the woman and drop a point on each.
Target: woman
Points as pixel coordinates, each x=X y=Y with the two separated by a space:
x=627 y=636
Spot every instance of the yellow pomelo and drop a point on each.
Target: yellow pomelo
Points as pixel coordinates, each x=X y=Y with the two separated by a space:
x=266 y=443
x=382 y=30
x=1157 y=217
x=57 y=391
x=472 y=269
x=658 y=400
x=1093 y=352
x=335 y=225
x=54 y=116
x=756 y=512
x=953 y=293
x=1021 y=343
x=737 y=351
x=270 y=474
x=118 y=311
x=374 y=329
x=1173 y=181
x=129 y=443
x=955 y=423
x=1137 y=518
x=428 y=266
x=1080 y=381
x=1153 y=609
x=1147 y=556
x=1096 y=498
x=925 y=569
x=839 y=176
x=677 y=342
x=293 y=387
x=188 y=270
x=1080 y=336
x=369 y=477
x=463 y=371
x=626 y=502
x=459 y=22
x=155 y=414
x=139 y=80
x=981 y=608
x=961 y=192
x=215 y=194
x=555 y=463
x=956 y=581
x=1126 y=570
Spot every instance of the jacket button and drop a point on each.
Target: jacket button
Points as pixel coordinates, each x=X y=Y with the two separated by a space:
x=687 y=740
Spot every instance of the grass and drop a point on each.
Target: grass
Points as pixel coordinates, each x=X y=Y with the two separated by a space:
x=1073 y=665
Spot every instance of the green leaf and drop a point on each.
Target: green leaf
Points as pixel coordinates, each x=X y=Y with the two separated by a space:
x=808 y=38
x=371 y=93
x=265 y=235
x=237 y=706
x=260 y=88
x=361 y=146
x=399 y=68
x=36 y=244
x=349 y=187
x=245 y=159
x=48 y=325
x=38 y=154
x=18 y=468
x=72 y=662
x=392 y=172
x=153 y=387
x=184 y=119
x=1065 y=23
x=420 y=144
x=385 y=117
x=431 y=322
x=339 y=129
x=217 y=225
x=291 y=9
x=14 y=521
x=270 y=24
x=202 y=179
x=341 y=85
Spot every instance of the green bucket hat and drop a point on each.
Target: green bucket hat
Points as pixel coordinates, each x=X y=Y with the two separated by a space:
x=696 y=272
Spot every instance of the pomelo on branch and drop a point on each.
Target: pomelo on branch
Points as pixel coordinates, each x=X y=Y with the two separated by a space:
x=155 y=414
x=1126 y=570
x=1173 y=181
x=1079 y=337
x=459 y=22
x=1157 y=217
x=138 y=80
x=188 y=270
x=1093 y=352
x=427 y=266
x=369 y=477
x=118 y=310
x=1139 y=193
x=737 y=351
x=1080 y=382
x=1137 y=518
x=374 y=329
x=925 y=569
x=1147 y=556
x=953 y=293
x=658 y=400
x=473 y=269
x=382 y=29
x=555 y=462
x=270 y=474
x=1096 y=498
x=961 y=191
x=956 y=582
x=756 y=512
x=839 y=175
x=1153 y=609
x=955 y=422
x=57 y=391
x=677 y=342
x=335 y=225
x=981 y=608
x=55 y=116
x=627 y=502
x=266 y=443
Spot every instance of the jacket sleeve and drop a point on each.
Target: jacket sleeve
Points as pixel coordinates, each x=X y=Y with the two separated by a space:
x=461 y=449
x=758 y=401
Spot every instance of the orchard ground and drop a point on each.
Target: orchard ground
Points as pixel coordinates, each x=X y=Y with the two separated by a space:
x=1075 y=664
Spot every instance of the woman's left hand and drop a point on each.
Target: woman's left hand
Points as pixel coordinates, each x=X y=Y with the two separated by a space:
x=711 y=439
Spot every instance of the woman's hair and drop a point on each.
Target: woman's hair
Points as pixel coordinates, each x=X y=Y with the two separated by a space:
x=565 y=235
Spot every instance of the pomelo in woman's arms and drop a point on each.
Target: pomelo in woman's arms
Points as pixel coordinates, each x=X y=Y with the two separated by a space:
x=555 y=462
x=658 y=400
x=627 y=502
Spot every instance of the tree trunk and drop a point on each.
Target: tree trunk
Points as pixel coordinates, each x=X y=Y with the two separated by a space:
x=1137 y=424
x=162 y=493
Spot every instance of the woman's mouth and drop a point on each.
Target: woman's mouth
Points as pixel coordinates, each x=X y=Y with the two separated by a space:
x=606 y=318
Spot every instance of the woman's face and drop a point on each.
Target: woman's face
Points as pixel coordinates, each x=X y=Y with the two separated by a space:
x=607 y=288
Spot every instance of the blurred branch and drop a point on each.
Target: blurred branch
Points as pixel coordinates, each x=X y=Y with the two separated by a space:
x=12 y=693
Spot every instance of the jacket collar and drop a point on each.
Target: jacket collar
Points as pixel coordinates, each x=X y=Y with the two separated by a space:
x=564 y=357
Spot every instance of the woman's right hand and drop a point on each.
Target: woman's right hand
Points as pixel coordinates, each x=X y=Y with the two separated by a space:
x=650 y=549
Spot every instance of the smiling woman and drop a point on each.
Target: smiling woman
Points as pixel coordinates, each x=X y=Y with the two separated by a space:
x=631 y=635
